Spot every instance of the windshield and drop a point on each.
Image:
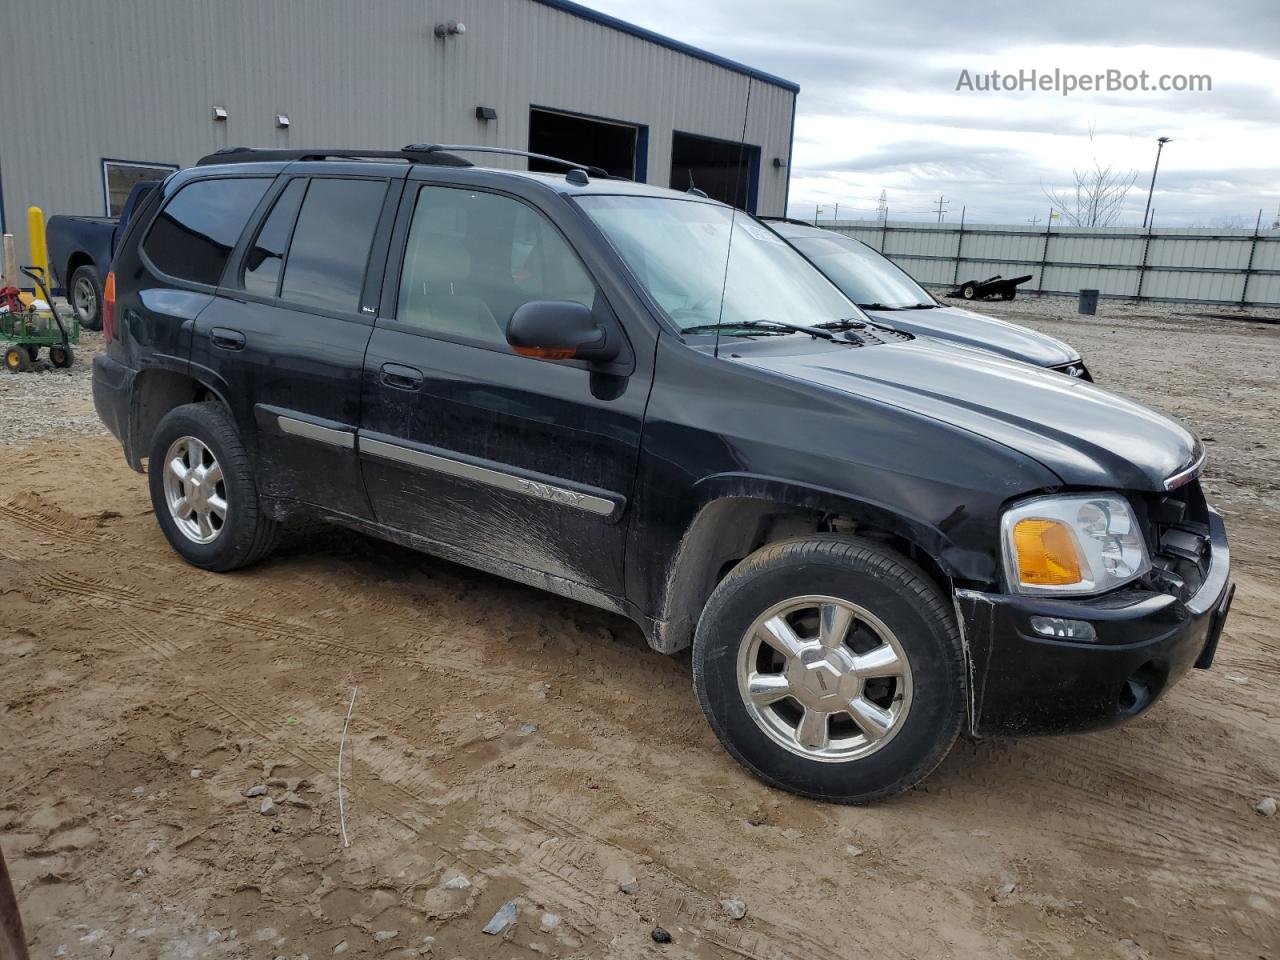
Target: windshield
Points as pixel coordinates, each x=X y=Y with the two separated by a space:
x=677 y=249
x=866 y=277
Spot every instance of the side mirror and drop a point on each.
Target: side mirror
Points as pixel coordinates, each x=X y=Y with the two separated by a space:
x=560 y=330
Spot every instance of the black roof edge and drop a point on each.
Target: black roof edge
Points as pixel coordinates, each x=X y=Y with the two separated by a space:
x=791 y=220
x=595 y=16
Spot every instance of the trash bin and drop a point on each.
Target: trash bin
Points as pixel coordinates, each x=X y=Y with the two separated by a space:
x=1089 y=302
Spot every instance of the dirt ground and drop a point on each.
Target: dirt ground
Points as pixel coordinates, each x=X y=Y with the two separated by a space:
x=537 y=748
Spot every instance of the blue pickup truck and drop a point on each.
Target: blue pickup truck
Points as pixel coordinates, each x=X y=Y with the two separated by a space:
x=80 y=251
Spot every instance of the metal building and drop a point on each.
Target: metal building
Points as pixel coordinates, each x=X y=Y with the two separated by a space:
x=127 y=91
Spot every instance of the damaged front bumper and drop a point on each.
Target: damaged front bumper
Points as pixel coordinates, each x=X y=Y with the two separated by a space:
x=1022 y=682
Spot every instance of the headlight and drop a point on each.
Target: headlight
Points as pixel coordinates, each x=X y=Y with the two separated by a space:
x=1071 y=545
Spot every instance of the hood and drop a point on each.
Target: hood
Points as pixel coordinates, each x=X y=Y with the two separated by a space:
x=975 y=330
x=1088 y=436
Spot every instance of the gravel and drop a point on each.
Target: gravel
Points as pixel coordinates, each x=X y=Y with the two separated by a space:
x=47 y=400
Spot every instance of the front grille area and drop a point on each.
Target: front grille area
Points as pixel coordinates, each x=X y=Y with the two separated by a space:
x=1177 y=531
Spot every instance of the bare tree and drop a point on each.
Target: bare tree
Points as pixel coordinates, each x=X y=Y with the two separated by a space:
x=1097 y=199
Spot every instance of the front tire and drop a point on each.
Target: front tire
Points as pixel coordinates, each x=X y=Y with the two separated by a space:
x=17 y=360
x=85 y=296
x=831 y=667
x=203 y=491
x=969 y=291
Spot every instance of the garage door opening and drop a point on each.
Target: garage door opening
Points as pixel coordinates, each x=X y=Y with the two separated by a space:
x=722 y=169
x=608 y=144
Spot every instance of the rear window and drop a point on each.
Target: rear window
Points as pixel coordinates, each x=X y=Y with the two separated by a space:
x=194 y=234
x=330 y=249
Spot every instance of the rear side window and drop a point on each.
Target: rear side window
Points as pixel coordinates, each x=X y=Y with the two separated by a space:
x=197 y=229
x=265 y=258
x=330 y=248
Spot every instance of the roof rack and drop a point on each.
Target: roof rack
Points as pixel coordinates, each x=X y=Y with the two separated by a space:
x=438 y=154
x=431 y=148
x=413 y=154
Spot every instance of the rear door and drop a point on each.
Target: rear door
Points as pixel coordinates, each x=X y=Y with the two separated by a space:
x=521 y=465
x=286 y=335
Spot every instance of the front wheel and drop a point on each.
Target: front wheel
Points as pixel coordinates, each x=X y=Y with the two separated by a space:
x=17 y=360
x=969 y=291
x=831 y=667
x=61 y=357
x=203 y=491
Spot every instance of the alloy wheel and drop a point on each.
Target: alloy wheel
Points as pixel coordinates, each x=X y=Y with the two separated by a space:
x=194 y=490
x=824 y=678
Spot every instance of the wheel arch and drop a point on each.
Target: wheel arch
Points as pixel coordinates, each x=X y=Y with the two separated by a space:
x=156 y=391
x=740 y=514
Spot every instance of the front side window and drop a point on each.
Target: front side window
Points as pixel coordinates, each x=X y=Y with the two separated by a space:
x=266 y=256
x=678 y=250
x=472 y=258
x=197 y=229
x=330 y=249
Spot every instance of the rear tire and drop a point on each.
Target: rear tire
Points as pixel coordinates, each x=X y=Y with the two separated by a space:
x=61 y=357
x=85 y=296
x=969 y=291
x=896 y=731
x=203 y=491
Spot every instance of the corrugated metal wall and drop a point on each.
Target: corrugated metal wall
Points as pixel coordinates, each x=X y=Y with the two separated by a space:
x=82 y=81
x=1203 y=265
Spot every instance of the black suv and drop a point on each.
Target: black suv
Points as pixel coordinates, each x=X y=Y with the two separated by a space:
x=648 y=401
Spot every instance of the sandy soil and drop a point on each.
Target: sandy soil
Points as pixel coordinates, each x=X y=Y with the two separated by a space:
x=537 y=748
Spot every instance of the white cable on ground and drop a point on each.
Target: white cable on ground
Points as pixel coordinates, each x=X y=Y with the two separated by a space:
x=342 y=810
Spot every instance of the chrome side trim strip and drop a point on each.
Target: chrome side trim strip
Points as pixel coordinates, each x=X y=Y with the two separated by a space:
x=600 y=506
x=313 y=431
x=1183 y=477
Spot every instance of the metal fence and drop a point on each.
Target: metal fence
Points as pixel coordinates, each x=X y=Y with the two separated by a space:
x=1229 y=267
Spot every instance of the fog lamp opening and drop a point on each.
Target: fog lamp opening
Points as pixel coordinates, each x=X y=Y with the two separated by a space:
x=1062 y=629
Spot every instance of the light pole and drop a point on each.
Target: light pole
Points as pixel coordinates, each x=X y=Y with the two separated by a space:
x=1160 y=141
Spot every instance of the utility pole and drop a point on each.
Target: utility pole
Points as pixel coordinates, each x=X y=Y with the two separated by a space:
x=1160 y=142
x=882 y=210
x=817 y=212
x=941 y=202
x=835 y=215
x=1033 y=220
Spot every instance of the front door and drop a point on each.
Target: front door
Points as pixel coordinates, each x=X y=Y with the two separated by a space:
x=514 y=463
x=285 y=336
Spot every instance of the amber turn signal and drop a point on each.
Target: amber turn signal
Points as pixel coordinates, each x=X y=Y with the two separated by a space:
x=1046 y=552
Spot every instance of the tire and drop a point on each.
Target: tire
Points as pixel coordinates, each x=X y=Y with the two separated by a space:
x=33 y=353
x=969 y=291
x=1008 y=294
x=84 y=293
x=61 y=357
x=17 y=360
x=243 y=534
x=891 y=594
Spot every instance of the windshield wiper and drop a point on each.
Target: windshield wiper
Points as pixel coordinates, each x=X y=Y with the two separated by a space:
x=772 y=326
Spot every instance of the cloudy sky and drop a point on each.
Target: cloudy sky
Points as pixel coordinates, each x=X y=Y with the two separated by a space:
x=879 y=109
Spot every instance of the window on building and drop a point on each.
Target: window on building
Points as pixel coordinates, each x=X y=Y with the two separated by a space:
x=723 y=170
x=330 y=248
x=472 y=258
x=601 y=143
x=119 y=176
x=197 y=229
x=266 y=256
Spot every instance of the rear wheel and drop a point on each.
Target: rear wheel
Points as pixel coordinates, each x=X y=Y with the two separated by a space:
x=85 y=295
x=203 y=491
x=1008 y=294
x=969 y=291
x=61 y=357
x=832 y=668
x=33 y=353
x=17 y=360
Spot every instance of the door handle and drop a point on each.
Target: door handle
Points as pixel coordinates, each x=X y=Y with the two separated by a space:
x=226 y=339
x=400 y=377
